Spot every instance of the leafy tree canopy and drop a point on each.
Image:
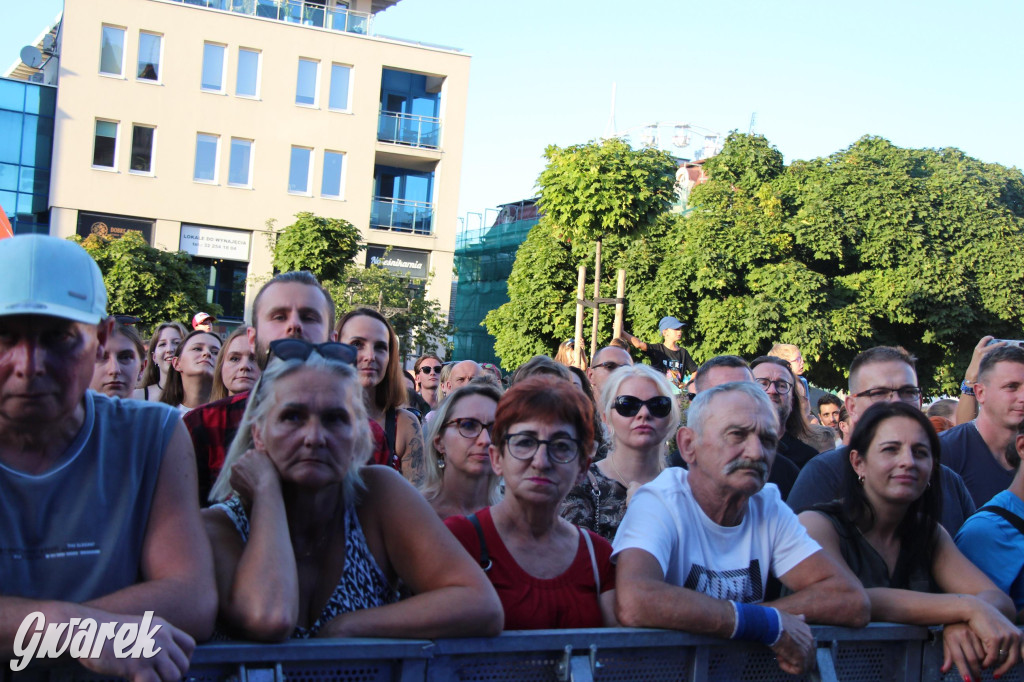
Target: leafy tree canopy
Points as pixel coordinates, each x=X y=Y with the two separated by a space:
x=323 y=246
x=152 y=284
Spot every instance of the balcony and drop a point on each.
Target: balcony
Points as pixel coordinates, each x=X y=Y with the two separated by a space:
x=416 y=131
x=294 y=12
x=401 y=215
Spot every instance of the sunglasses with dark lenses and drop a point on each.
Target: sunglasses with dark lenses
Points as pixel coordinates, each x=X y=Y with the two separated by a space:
x=629 y=406
x=427 y=369
x=300 y=349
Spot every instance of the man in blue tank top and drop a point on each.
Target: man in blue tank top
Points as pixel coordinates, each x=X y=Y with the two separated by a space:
x=99 y=529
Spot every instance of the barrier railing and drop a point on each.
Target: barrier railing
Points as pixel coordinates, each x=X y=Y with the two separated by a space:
x=900 y=653
x=409 y=129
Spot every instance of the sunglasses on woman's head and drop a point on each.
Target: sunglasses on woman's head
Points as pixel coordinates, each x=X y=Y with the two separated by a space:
x=300 y=349
x=629 y=406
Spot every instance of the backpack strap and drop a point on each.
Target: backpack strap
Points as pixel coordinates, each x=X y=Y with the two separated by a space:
x=1014 y=520
x=593 y=558
x=485 y=557
x=391 y=428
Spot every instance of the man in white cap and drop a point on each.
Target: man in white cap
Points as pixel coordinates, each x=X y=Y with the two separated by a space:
x=98 y=519
x=203 y=322
x=668 y=357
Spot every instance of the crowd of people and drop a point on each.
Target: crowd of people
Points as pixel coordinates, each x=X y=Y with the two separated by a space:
x=293 y=480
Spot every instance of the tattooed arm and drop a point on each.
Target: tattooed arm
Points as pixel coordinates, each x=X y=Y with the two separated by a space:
x=409 y=443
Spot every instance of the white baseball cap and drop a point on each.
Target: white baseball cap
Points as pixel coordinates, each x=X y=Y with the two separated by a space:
x=44 y=275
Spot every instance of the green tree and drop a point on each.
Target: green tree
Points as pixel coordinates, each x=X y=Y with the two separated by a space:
x=150 y=283
x=323 y=246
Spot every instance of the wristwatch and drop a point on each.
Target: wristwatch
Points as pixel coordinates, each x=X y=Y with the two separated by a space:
x=967 y=388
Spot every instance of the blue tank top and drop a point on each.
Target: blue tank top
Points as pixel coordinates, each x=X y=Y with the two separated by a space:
x=75 y=533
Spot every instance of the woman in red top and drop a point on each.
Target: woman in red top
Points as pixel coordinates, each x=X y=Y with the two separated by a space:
x=548 y=573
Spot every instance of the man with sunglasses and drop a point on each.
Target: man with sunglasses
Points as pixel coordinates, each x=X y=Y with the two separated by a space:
x=606 y=361
x=696 y=547
x=428 y=375
x=879 y=374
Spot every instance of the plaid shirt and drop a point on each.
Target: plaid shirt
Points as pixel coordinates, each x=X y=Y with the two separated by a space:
x=213 y=426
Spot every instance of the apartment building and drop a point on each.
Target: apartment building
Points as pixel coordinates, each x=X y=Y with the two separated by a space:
x=201 y=124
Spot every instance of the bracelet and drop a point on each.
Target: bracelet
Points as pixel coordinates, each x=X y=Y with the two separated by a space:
x=967 y=388
x=757 y=623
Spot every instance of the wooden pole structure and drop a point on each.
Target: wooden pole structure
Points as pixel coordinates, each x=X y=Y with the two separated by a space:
x=620 y=306
x=597 y=295
x=581 y=291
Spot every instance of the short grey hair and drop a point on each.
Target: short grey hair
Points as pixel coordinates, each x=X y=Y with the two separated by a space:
x=263 y=398
x=610 y=390
x=698 y=412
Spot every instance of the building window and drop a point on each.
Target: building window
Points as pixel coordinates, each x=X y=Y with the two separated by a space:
x=104 y=150
x=306 y=85
x=112 y=51
x=225 y=284
x=213 y=67
x=149 y=57
x=247 y=83
x=240 y=163
x=334 y=165
x=207 y=147
x=298 y=174
x=340 y=76
x=142 y=149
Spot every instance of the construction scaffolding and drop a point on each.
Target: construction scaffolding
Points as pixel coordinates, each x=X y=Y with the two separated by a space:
x=483 y=261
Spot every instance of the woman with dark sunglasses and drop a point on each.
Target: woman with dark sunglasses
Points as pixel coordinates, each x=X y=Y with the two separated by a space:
x=310 y=542
x=458 y=478
x=548 y=573
x=641 y=413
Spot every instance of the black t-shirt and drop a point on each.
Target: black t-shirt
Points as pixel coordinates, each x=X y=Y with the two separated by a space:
x=663 y=359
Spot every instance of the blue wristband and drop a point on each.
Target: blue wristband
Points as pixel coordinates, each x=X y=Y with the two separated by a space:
x=757 y=623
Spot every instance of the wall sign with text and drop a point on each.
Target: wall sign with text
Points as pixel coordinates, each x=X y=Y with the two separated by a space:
x=405 y=262
x=212 y=242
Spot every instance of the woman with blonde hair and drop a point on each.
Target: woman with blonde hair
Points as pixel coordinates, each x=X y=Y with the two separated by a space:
x=236 y=370
x=164 y=342
x=458 y=478
x=566 y=355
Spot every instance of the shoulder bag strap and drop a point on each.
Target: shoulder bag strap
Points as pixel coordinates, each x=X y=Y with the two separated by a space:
x=485 y=557
x=1016 y=521
x=593 y=559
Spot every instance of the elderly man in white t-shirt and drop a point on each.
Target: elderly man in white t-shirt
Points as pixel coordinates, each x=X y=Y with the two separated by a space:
x=696 y=546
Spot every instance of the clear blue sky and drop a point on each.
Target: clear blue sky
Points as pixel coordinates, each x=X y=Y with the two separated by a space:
x=819 y=74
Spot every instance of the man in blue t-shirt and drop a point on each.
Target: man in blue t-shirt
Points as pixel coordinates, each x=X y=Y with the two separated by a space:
x=994 y=537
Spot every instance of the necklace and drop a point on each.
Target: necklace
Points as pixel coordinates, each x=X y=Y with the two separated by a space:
x=618 y=475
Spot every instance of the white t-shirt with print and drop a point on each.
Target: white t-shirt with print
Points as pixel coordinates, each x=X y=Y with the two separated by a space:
x=722 y=562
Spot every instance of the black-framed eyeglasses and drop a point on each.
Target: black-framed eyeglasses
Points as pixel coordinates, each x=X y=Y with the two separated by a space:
x=609 y=366
x=524 y=446
x=629 y=406
x=781 y=385
x=300 y=349
x=906 y=394
x=469 y=427
x=428 y=369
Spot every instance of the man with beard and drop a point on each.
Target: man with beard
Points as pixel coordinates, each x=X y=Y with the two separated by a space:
x=291 y=305
x=696 y=547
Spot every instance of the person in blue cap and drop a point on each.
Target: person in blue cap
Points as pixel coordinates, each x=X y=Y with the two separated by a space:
x=668 y=357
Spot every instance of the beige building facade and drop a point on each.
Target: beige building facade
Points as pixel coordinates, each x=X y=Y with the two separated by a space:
x=200 y=123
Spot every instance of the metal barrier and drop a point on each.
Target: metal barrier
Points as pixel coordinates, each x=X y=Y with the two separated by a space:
x=896 y=653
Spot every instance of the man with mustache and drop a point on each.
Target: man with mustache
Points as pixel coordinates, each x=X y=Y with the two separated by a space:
x=696 y=546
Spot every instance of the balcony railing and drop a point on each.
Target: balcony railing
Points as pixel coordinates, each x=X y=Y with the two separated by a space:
x=400 y=215
x=415 y=131
x=295 y=12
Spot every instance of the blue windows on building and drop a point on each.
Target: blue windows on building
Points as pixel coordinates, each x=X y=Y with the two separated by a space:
x=402 y=200
x=26 y=145
x=410 y=106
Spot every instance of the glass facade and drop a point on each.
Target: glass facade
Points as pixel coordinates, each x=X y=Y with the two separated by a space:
x=225 y=284
x=330 y=185
x=26 y=145
x=299 y=170
x=340 y=77
x=402 y=200
x=306 y=82
x=148 y=68
x=408 y=110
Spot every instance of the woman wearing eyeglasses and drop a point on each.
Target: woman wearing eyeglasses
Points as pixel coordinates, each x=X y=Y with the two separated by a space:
x=641 y=415
x=309 y=542
x=548 y=573
x=458 y=478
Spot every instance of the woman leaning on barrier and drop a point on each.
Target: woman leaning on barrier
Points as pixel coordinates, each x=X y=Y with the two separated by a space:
x=885 y=529
x=310 y=542
x=547 y=572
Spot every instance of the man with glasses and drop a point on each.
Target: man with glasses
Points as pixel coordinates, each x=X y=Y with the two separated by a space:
x=428 y=375
x=778 y=380
x=977 y=449
x=606 y=361
x=879 y=374
x=696 y=547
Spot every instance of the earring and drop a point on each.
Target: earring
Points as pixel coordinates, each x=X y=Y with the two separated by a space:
x=860 y=479
x=440 y=463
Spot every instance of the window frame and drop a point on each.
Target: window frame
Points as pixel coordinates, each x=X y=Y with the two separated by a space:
x=308 y=192
x=340 y=196
x=222 y=90
x=152 y=151
x=159 y=58
x=316 y=84
x=117 y=144
x=258 y=76
x=124 y=43
x=252 y=147
x=348 y=91
x=216 y=159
